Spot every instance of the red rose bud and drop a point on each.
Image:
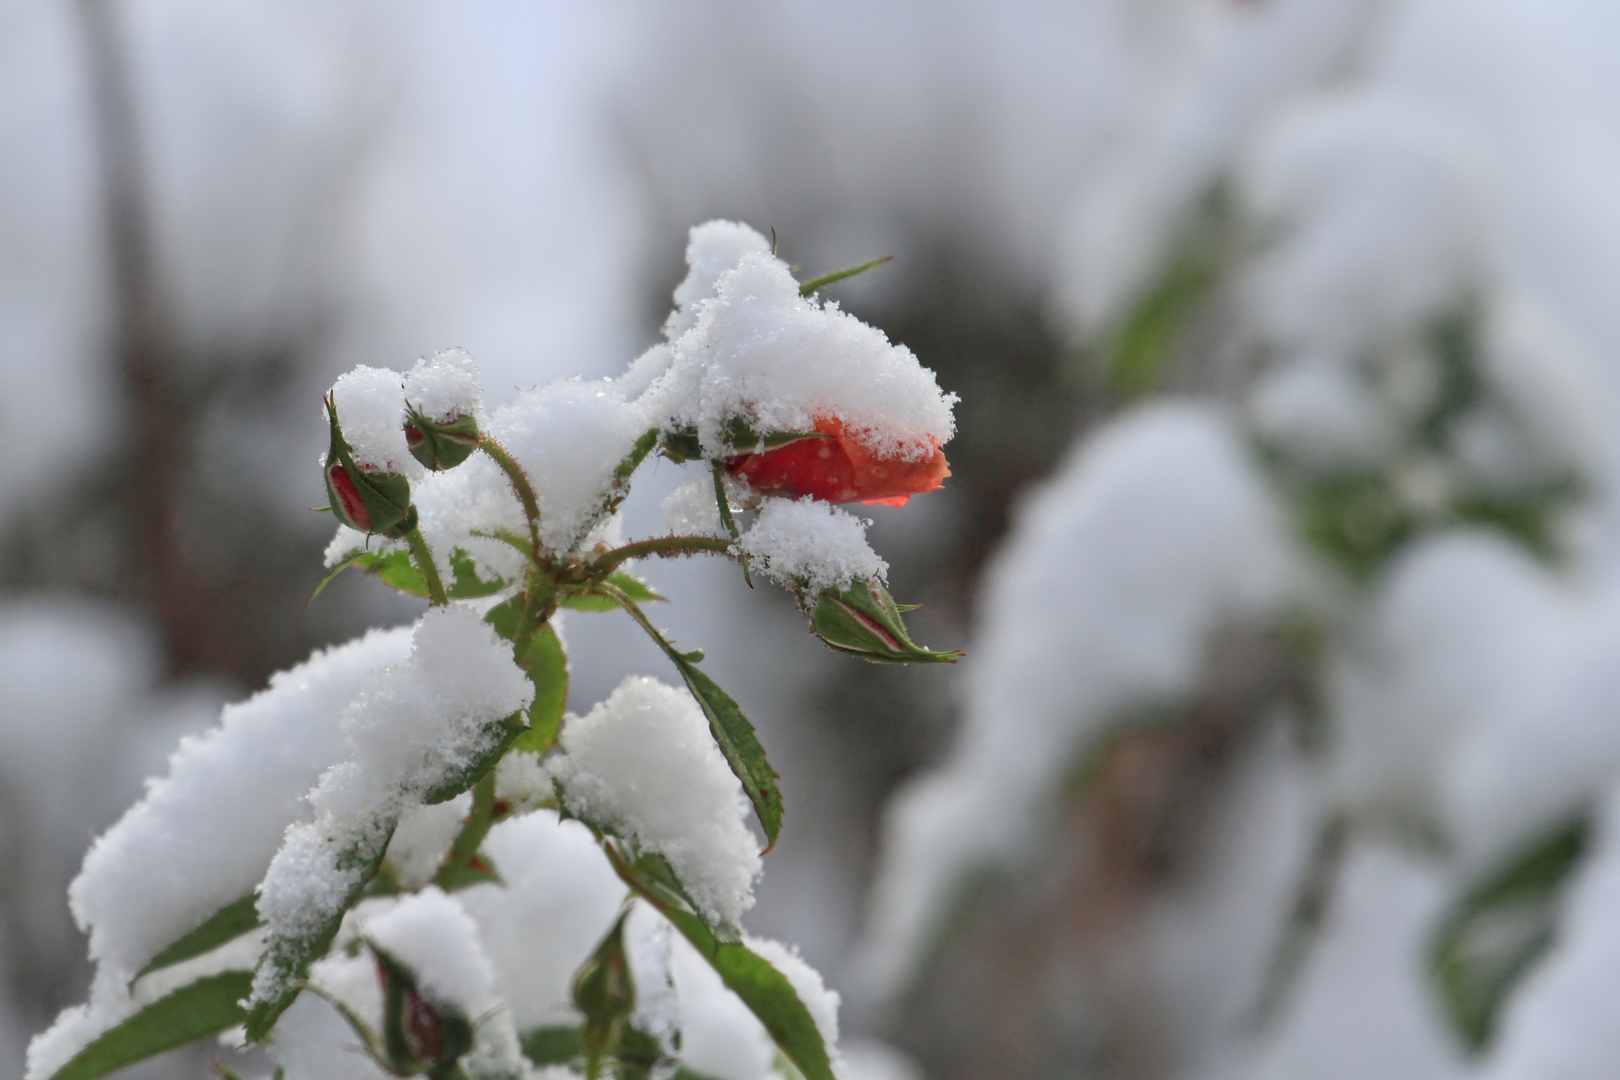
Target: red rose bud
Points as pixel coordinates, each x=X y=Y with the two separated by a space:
x=417 y=1036
x=441 y=445
x=836 y=468
x=371 y=502
x=864 y=620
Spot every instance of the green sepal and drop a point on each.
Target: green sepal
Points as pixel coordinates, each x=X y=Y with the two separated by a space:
x=385 y=497
x=227 y=924
x=767 y=992
x=504 y=731
x=745 y=440
x=393 y=568
x=291 y=958
x=863 y=620
x=605 y=992
x=585 y=598
x=681 y=446
x=440 y=446
x=195 y=1011
x=1500 y=928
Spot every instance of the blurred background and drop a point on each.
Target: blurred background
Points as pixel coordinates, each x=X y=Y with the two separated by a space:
x=1369 y=249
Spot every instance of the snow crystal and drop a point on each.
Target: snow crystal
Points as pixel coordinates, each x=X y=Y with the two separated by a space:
x=1155 y=533
x=371 y=411
x=643 y=764
x=445 y=386
x=691 y=509
x=410 y=728
x=203 y=835
x=811 y=544
x=712 y=249
x=569 y=437
x=553 y=877
x=760 y=352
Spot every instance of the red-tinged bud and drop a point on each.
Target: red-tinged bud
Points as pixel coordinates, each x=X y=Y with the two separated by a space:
x=371 y=502
x=837 y=468
x=864 y=620
x=440 y=445
x=417 y=1036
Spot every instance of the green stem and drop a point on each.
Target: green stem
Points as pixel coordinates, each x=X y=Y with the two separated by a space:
x=665 y=547
x=424 y=563
x=728 y=521
x=520 y=484
x=477 y=826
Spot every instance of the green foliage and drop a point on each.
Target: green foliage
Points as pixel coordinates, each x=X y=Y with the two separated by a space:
x=554 y=1046
x=863 y=620
x=501 y=735
x=814 y=285
x=1498 y=930
x=227 y=924
x=588 y=598
x=196 y=1011
x=542 y=656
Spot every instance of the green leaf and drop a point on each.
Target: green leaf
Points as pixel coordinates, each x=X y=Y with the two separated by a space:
x=291 y=958
x=203 y=1008
x=627 y=583
x=767 y=992
x=1495 y=934
x=863 y=620
x=543 y=658
x=553 y=1045
x=505 y=732
x=824 y=280
x=393 y=569
x=227 y=924
x=465 y=584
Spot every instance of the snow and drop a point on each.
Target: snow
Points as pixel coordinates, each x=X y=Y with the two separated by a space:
x=759 y=352
x=411 y=727
x=811 y=545
x=433 y=936
x=569 y=437
x=371 y=411
x=556 y=878
x=644 y=765
x=691 y=509
x=312 y=1041
x=821 y=1002
x=1152 y=536
x=423 y=837
x=720 y=1037
x=712 y=249
x=445 y=386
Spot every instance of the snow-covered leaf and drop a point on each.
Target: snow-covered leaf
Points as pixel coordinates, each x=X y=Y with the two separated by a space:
x=227 y=924
x=196 y=1011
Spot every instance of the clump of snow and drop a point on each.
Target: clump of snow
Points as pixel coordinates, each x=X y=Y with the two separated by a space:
x=411 y=728
x=433 y=936
x=720 y=1037
x=523 y=782
x=691 y=509
x=811 y=544
x=648 y=946
x=643 y=764
x=445 y=386
x=570 y=437
x=312 y=1041
x=759 y=352
x=711 y=249
x=203 y=835
x=1154 y=534
x=557 y=897
x=821 y=1002
x=463 y=508
x=371 y=410
x=422 y=838
x=1322 y=413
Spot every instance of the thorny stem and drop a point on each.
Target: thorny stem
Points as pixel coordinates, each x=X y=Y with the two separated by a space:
x=520 y=484
x=424 y=563
x=1305 y=920
x=724 y=504
x=665 y=547
x=477 y=826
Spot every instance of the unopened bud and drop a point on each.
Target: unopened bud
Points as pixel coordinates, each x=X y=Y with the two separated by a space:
x=371 y=502
x=865 y=621
x=417 y=1035
x=440 y=445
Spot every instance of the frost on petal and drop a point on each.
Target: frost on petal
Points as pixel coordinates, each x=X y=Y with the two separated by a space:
x=553 y=876
x=810 y=544
x=643 y=764
x=445 y=386
x=570 y=437
x=371 y=410
x=760 y=353
x=1154 y=535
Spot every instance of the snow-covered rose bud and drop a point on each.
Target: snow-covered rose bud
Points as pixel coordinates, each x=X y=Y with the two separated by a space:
x=365 y=500
x=865 y=621
x=835 y=467
x=417 y=1035
x=440 y=445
